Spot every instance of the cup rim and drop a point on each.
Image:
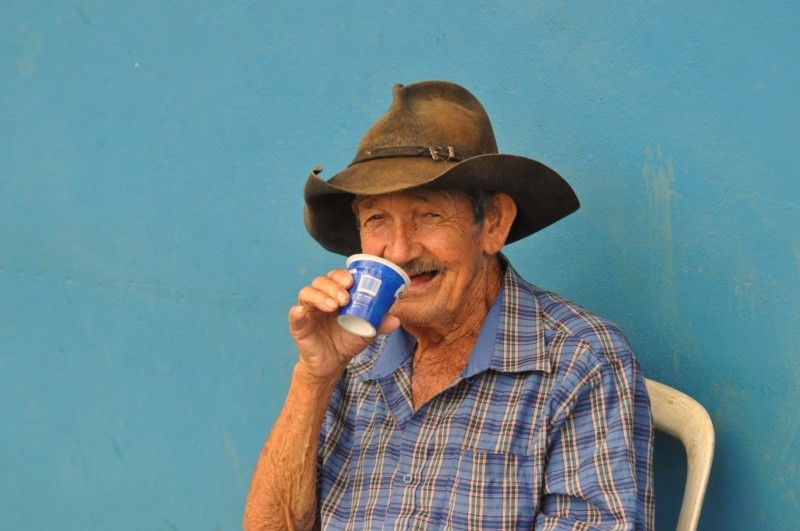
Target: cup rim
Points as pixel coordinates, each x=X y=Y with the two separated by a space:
x=387 y=263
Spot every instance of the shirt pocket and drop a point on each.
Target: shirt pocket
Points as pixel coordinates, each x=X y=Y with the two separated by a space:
x=491 y=490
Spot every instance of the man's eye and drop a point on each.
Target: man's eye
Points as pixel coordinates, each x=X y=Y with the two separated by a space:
x=373 y=220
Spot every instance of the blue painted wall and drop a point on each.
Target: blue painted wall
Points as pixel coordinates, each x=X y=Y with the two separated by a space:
x=152 y=156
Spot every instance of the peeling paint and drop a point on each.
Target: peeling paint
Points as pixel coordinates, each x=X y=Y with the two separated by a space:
x=659 y=173
x=659 y=176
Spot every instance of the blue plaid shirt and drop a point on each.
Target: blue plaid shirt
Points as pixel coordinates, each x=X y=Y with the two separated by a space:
x=548 y=426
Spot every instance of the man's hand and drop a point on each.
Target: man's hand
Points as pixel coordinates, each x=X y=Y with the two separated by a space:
x=325 y=347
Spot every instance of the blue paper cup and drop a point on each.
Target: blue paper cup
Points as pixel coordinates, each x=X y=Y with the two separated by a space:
x=377 y=284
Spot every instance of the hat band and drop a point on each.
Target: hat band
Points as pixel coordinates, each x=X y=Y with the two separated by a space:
x=445 y=153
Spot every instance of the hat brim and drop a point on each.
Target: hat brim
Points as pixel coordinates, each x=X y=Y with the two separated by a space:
x=542 y=195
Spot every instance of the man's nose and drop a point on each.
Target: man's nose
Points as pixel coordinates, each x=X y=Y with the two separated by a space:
x=402 y=245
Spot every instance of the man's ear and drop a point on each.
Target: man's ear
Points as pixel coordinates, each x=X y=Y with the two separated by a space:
x=498 y=222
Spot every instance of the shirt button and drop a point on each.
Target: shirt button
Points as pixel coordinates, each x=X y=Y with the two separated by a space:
x=408 y=478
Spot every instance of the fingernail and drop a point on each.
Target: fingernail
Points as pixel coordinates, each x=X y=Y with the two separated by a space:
x=343 y=297
x=330 y=303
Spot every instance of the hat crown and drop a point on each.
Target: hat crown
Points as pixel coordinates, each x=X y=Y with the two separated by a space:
x=432 y=113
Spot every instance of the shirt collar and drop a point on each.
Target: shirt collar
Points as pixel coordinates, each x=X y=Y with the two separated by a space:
x=485 y=347
x=397 y=347
x=522 y=338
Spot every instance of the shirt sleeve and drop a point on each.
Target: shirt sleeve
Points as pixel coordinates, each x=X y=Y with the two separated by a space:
x=600 y=447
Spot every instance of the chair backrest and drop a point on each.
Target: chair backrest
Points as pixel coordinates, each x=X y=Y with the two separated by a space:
x=684 y=418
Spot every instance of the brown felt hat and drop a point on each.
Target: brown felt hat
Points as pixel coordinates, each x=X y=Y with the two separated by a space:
x=435 y=134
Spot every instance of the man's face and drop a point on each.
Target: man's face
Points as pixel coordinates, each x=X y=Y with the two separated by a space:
x=432 y=235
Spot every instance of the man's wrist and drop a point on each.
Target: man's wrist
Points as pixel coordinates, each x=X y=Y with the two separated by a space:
x=312 y=382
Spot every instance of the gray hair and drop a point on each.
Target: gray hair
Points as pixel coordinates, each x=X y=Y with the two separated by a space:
x=481 y=202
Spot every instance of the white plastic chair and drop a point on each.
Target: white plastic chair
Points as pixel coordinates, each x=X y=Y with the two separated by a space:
x=682 y=417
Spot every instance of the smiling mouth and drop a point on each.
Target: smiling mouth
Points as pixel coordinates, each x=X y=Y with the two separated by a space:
x=422 y=272
x=421 y=279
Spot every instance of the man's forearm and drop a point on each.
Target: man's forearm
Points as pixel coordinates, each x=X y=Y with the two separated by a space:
x=283 y=489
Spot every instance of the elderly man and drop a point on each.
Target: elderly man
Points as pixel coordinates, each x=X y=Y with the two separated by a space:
x=484 y=402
